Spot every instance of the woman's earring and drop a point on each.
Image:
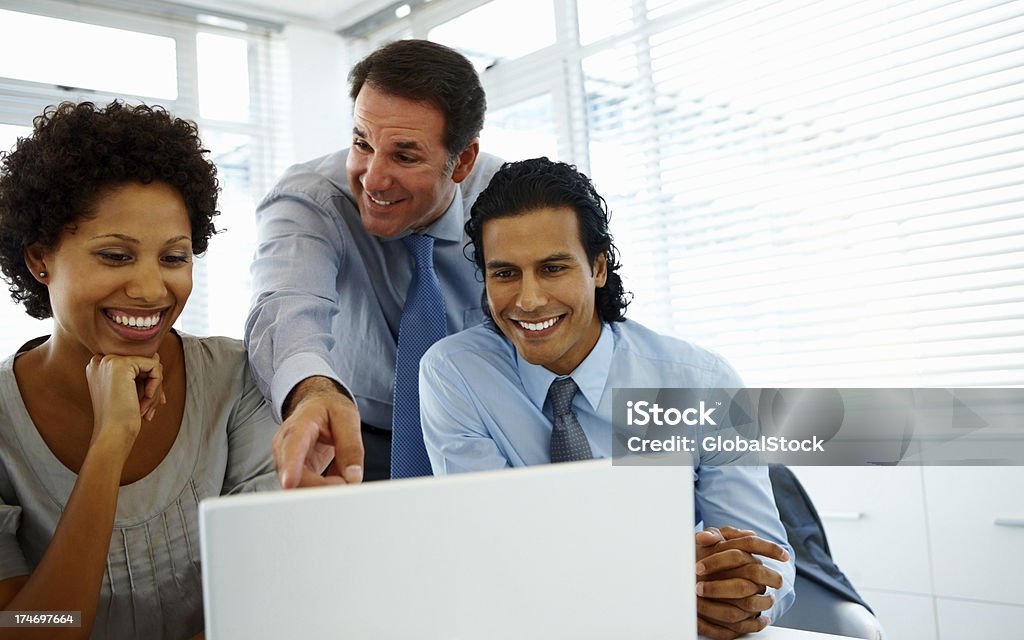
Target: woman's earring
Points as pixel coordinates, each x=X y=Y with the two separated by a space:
x=43 y=274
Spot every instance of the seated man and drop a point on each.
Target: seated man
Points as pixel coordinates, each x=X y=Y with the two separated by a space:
x=555 y=305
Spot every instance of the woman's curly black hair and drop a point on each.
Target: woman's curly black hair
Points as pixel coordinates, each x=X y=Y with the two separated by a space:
x=521 y=187
x=76 y=153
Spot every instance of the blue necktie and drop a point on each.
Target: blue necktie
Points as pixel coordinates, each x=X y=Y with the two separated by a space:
x=568 y=442
x=423 y=323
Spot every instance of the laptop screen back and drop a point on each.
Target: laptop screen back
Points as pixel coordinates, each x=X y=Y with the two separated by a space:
x=558 y=551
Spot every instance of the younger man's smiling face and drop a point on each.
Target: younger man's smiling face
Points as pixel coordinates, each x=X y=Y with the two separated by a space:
x=541 y=287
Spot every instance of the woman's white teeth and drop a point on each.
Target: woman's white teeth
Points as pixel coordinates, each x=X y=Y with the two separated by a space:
x=138 y=323
x=538 y=326
x=382 y=203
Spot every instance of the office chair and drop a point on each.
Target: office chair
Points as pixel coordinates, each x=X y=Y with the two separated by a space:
x=826 y=600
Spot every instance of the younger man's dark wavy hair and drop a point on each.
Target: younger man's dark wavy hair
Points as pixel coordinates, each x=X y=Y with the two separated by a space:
x=76 y=153
x=521 y=187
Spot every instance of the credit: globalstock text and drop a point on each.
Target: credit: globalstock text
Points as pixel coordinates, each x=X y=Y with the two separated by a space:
x=637 y=444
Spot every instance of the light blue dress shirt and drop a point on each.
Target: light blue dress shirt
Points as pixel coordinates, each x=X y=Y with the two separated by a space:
x=328 y=296
x=483 y=407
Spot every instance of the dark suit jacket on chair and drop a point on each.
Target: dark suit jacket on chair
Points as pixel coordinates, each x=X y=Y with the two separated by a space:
x=807 y=536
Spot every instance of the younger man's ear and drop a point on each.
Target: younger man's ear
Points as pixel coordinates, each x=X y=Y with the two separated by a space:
x=600 y=271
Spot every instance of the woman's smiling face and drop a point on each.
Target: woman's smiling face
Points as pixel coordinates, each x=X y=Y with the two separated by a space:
x=119 y=277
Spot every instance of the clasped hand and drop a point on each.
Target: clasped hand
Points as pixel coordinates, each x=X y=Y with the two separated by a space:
x=732 y=582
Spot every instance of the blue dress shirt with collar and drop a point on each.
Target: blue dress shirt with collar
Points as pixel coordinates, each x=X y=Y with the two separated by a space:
x=483 y=407
x=328 y=296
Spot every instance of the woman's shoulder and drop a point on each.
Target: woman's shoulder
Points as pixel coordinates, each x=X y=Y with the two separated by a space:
x=220 y=349
x=215 y=361
x=10 y=398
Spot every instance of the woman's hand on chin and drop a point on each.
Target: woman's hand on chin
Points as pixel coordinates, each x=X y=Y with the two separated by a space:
x=124 y=389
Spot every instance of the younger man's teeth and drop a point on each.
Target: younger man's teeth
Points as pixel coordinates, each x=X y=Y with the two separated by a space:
x=538 y=326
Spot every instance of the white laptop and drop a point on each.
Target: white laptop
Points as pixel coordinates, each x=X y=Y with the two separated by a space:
x=576 y=550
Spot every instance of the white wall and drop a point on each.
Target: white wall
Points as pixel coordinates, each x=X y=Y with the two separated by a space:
x=321 y=113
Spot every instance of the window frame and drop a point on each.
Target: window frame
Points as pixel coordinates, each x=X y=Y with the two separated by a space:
x=22 y=100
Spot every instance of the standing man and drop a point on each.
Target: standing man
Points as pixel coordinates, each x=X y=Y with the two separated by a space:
x=359 y=268
x=534 y=385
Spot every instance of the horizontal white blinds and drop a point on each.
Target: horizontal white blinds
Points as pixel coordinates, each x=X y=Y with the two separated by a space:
x=246 y=141
x=828 y=193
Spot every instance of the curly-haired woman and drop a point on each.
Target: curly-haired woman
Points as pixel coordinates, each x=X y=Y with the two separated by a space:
x=113 y=427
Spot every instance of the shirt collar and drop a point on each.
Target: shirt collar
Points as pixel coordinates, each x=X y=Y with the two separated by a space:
x=450 y=226
x=591 y=376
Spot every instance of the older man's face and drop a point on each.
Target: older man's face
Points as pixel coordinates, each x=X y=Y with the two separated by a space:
x=398 y=166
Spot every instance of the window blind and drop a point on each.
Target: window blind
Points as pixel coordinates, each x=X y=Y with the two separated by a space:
x=828 y=194
x=835 y=182
x=226 y=76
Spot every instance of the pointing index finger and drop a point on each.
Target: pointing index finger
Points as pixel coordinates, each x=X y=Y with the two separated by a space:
x=291 y=445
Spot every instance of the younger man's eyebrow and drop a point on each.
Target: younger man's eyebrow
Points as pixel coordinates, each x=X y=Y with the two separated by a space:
x=560 y=257
x=498 y=264
x=554 y=257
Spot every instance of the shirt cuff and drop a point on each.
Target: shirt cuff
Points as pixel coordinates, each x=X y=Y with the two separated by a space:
x=784 y=596
x=294 y=370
